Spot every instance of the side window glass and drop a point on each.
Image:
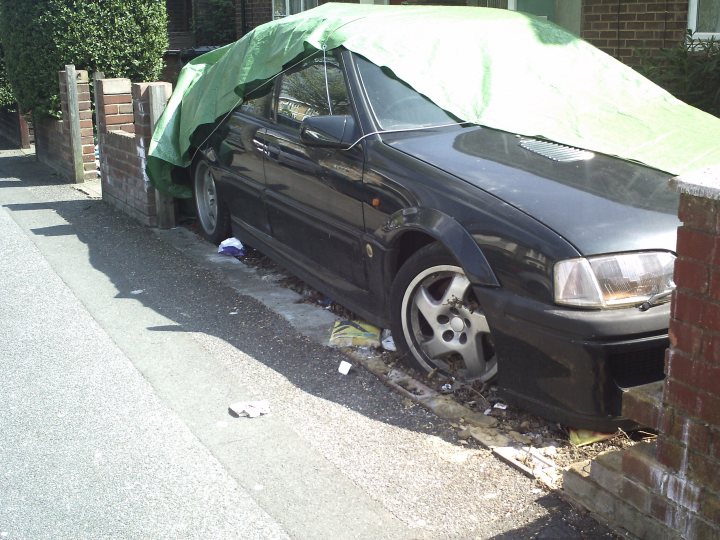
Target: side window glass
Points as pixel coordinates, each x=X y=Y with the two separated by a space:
x=257 y=102
x=303 y=93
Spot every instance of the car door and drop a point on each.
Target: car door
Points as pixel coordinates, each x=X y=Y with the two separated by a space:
x=313 y=193
x=240 y=154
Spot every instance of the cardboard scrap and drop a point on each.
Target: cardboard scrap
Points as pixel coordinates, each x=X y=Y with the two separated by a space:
x=582 y=437
x=354 y=334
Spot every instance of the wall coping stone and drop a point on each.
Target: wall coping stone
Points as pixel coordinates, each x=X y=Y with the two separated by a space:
x=699 y=183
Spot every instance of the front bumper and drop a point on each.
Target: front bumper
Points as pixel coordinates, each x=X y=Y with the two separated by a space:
x=572 y=366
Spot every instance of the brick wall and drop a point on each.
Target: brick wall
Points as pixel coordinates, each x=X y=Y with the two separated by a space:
x=670 y=488
x=53 y=137
x=689 y=441
x=622 y=28
x=124 y=132
x=258 y=12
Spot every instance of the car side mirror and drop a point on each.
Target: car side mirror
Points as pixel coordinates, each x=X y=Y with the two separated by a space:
x=335 y=131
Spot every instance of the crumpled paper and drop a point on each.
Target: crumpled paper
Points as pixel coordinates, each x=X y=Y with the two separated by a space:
x=250 y=409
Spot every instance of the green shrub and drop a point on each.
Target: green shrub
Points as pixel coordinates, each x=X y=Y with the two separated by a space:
x=690 y=71
x=214 y=22
x=7 y=98
x=122 y=38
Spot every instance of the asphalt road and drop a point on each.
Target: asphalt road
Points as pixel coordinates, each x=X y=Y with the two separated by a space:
x=119 y=356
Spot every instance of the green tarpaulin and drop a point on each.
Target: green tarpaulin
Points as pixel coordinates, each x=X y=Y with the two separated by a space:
x=492 y=67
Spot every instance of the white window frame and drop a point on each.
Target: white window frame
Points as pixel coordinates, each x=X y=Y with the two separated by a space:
x=692 y=22
x=303 y=7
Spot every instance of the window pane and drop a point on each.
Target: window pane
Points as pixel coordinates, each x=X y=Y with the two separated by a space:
x=303 y=93
x=396 y=105
x=708 y=16
x=256 y=102
x=279 y=9
x=295 y=6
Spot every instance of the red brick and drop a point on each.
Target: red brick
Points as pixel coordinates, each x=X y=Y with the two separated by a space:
x=686 y=307
x=111 y=110
x=691 y=433
x=695 y=244
x=686 y=337
x=697 y=213
x=670 y=453
x=681 y=396
x=704 y=471
x=691 y=275
x=680 y=367
x=117 y=99
x=635 y=494
x=119 y=119
x=710 y=315
x=708 y=408
x=639 y=464
x=711 y=348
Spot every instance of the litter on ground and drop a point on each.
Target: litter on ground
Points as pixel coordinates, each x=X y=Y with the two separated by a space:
x=251 y=409
x=232 y=247
x=354 y=334
x=388 y=343
x=344 y=367
x=581 y=437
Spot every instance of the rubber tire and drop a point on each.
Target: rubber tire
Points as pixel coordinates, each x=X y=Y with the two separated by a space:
x=222 y=229
x=427 y=257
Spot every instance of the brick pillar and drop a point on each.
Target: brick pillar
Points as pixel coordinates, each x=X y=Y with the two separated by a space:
x=124 y=130
x=114 y=103
x=87 y=138
x=689 y=440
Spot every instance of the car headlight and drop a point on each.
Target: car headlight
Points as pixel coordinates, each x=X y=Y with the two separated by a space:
x=613 y=280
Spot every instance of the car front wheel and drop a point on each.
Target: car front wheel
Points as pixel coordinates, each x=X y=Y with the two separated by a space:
x=213 y=216
x=437 y=321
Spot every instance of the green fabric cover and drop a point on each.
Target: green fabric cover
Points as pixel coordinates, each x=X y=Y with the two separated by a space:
x=493 y=67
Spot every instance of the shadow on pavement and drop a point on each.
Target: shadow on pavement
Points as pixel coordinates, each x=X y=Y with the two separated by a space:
x=134 y=258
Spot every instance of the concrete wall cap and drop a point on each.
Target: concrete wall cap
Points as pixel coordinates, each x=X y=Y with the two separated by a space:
x=700 y=183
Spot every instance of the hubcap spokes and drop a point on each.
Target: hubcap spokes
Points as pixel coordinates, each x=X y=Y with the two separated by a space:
x=446 y=329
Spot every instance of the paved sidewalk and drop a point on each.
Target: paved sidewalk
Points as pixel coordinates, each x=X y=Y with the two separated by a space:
x=339 y=457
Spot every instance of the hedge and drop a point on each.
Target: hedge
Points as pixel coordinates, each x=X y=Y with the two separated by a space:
x=122 y=38
x=7 y=98
x=690 y=71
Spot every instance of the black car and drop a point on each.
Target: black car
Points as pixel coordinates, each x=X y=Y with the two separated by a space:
x=488 y=254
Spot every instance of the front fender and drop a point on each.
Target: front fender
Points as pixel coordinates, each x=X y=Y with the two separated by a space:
x=448 y=232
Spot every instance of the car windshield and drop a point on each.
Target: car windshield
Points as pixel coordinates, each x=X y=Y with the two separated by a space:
x=395 y=104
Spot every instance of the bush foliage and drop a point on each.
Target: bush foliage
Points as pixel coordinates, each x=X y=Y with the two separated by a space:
x=7 y=98
x=122 y=38
x=690 y=71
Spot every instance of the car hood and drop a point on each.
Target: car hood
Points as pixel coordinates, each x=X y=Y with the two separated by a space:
x=599 y=205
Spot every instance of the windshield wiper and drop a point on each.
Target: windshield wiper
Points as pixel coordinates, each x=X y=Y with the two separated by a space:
x=654 y=300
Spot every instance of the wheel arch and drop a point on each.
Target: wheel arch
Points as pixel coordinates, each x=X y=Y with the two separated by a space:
x=411 y=229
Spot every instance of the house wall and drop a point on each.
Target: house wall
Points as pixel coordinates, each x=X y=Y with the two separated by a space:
x=627 y=29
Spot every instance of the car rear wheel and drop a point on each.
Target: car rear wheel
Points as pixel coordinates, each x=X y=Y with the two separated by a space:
x=213 y=216
x=437 y=321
